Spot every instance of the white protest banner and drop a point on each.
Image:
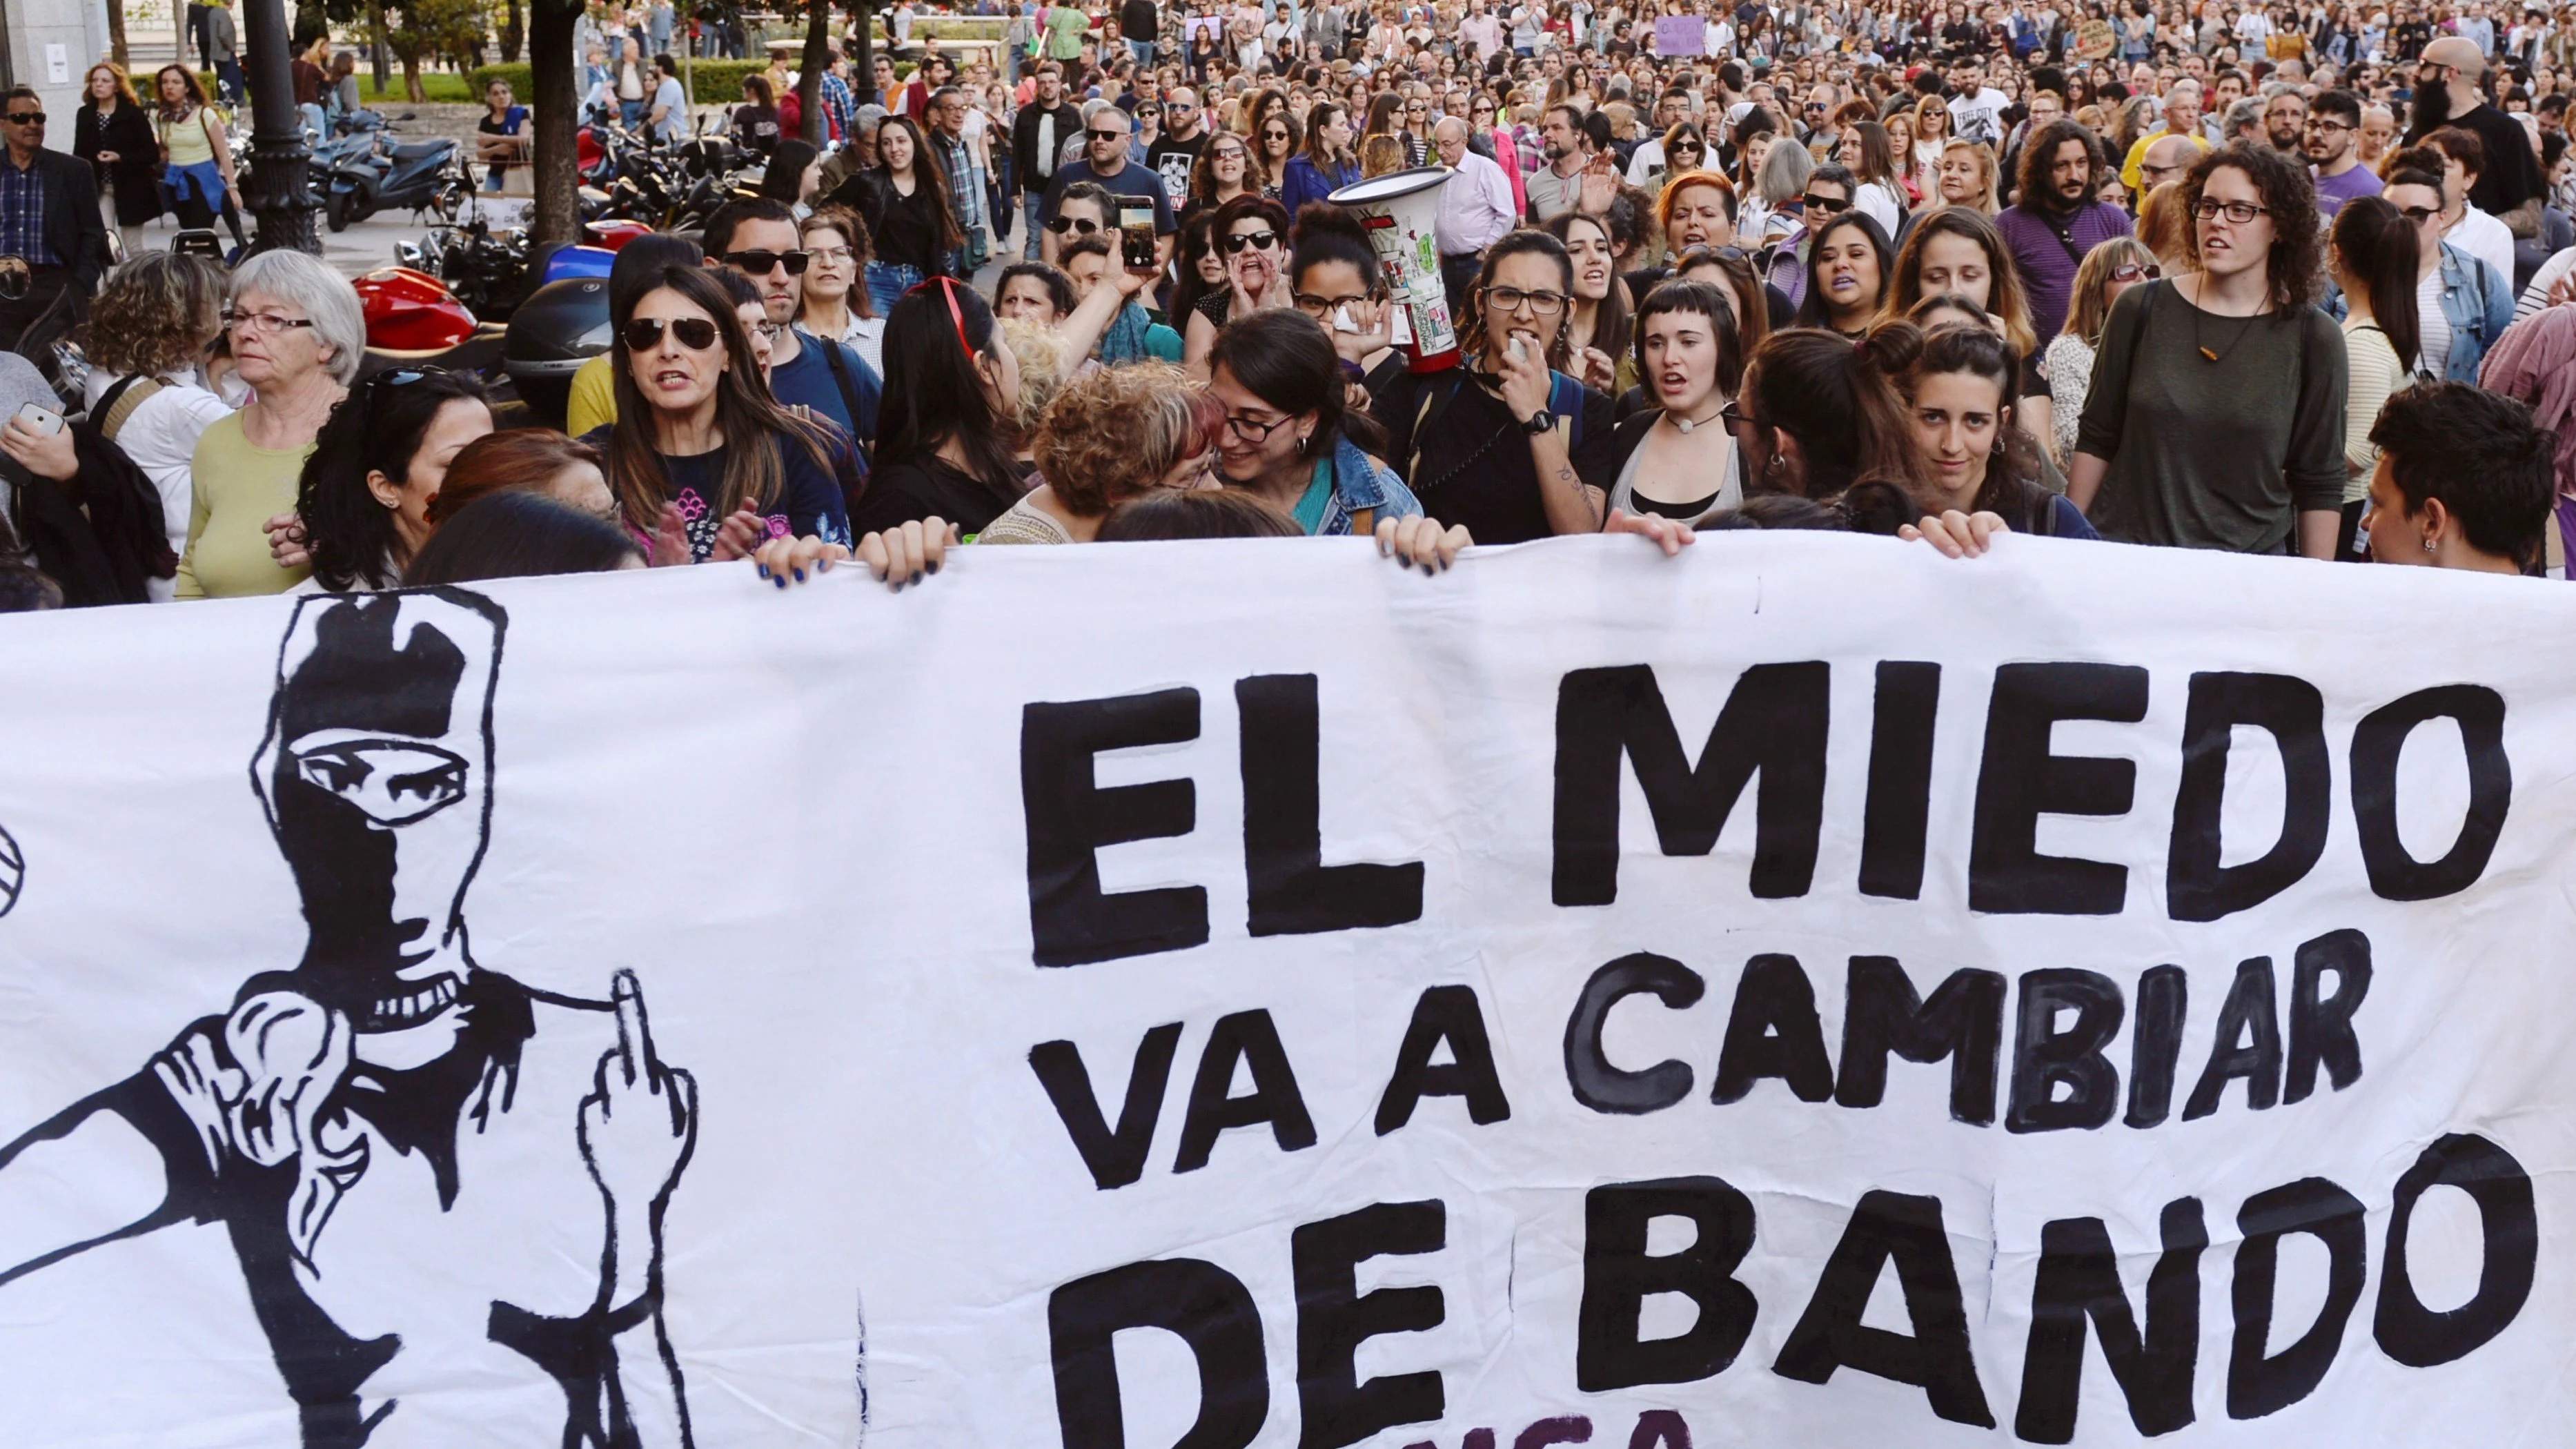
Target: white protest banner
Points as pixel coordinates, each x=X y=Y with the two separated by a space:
x=1806 y=992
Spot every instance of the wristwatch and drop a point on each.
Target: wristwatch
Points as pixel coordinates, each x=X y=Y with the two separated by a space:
x=1541 y=422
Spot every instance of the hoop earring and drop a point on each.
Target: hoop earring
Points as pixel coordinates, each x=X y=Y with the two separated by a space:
x=1303 y=440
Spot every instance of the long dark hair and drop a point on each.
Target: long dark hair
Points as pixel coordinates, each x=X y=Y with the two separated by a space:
x=1471 y=329
x=1198 y=238
x=746 y=414
x=929 y=174
x=2382 y=249
x=1839 y=399
x=1282 y=357
x=1610 y=321
x=1314 y=151
x=377 y=428
x=786 y=171
x=933 y=395
x=1812 y=311
x=517 y=534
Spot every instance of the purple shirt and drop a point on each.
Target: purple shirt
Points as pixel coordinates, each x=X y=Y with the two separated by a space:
x=2048 y=249
x=2334 y=191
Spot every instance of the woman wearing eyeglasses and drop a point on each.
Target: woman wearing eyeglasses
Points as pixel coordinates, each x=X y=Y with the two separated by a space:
x=1327 y=164
x=2463 y=305
x=297 y=338
x=832 y=306
x=1490 y=444
x=904 y=201
x=365 y=491
x=1286 y=438
x=2216 y=414
x=2111 y=268
x=1251 y=233
x=702 y=460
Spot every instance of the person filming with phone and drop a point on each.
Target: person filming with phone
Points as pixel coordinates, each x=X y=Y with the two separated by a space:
x=1106 y=164
x=49 y=225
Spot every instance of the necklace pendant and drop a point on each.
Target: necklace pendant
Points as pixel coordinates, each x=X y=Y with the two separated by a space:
x=2212 y=356
x=1683 y=426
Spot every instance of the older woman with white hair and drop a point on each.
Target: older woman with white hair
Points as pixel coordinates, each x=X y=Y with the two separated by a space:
x=298 y=338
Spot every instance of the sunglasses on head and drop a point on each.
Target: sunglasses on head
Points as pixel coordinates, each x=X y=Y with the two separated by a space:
x=760 y=263
x=1237 y=241
x=643 y=334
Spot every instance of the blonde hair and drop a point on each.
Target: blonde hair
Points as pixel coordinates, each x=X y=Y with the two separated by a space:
x=1040 y=354
x=1119 y=431
x=1985 y=199
x=2090 y=310
x=2164 y=227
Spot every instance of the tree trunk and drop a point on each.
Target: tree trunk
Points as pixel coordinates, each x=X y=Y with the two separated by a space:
x=863 y=53
x=809 y=78
x=558 y=169
x=376 y=43
x=116 y=36
x=413 y=90
x=513 y=33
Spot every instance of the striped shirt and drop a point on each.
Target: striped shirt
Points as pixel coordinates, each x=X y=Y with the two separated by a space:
x=22 y=214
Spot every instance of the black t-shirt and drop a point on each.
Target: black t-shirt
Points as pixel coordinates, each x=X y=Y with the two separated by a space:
x=1172 y=160
x=487 y=126
x=901 y=493
x=809 y=502
x=1138 y=20
x=2512 y=175
x=907 y=229
x=755 y=127
x=1472 y=465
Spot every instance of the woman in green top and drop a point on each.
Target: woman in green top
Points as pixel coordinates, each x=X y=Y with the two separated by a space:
x=297 y=339
x=2215 y=419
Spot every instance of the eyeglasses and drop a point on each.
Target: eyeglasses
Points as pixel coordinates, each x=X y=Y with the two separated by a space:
x=2315 y=124
x=27 y=118
x=1734 y=416
x=643 y=334
x=1228 y=153
x=1236 y=241
x=1513 y=299
x=1827 y=204
x=761 y=263
x=1111 y=136
x=833 y=255
x=1253 y=430
x=250 y=322
x=2136 y=272
x=771 y=330
x=1314 y=306
x=2419 y=214
x=2239 y=212
x=1062 y=224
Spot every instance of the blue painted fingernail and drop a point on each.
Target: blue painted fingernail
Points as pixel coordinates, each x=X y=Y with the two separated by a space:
x=764 y=571
x=934 y=568
x=775 y=579
x=800 y=576
x=916 y=577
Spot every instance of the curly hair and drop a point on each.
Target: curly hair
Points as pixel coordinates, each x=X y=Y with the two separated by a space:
x=155 y=315
x=2297 y=257
x=1118 y=432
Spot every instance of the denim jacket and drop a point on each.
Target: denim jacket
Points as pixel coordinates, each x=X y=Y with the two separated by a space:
x=2475 y=301
x=1362 y=484
x=2479 y=306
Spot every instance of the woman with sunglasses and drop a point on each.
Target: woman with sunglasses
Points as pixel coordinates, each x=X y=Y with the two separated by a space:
x=1275 y=138
x=2217 y=410
x=945 y=447
x=1683 y=152
x=196 y=154
x=1490 y=444
x=297 y=338
x=2111 y=268
x=1485 y=122
x=703 y=462
x=1327 y=164
x=365 y=491
x=1251 y=233
x=1222 y=173
x=904 y=201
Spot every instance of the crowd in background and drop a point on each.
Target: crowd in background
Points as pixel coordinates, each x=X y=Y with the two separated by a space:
x=2273 y=279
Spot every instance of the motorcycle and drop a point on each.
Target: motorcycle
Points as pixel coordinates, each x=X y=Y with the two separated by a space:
x=414 y=321
x=424 y=177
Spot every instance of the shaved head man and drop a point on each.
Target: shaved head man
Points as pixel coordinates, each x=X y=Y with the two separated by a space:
x=2448 y=93
x=2167 y=158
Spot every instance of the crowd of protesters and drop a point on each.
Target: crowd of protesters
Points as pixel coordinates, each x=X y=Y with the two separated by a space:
x=2286 y=279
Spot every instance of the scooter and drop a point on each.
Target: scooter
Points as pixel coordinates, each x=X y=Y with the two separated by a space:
x=418 y=176
x=413 y=320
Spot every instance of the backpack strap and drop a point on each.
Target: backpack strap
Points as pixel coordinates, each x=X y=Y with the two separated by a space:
x=119 y=402
x=841 y=379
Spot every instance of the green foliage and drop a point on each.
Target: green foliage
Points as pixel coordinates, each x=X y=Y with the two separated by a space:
x=423 y=30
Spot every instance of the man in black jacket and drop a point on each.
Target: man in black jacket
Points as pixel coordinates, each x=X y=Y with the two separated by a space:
x=1038 y=136
x=49 y=219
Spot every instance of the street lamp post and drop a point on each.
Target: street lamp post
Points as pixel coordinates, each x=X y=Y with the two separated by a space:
x=278 y=196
